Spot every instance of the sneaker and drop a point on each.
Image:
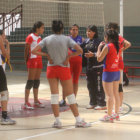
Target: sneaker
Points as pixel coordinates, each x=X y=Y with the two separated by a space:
x=107 y=118
x=116 y=117
x=7 y=121
x=39 y=105
x=90 y=106
x=100 y=108
x=57 y=125
x=28 y=106
x=62 y=103
x=82 y=124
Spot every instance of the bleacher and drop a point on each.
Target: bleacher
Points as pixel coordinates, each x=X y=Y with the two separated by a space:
x=131 y=56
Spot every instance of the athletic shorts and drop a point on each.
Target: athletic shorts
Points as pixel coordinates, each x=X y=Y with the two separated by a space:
x=61 y=73
x=111 y=76
x=121 y=64
x=34 y=63
x=75 y=68
x=3 y=81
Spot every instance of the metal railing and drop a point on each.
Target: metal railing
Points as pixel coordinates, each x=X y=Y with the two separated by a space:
x=11 y=20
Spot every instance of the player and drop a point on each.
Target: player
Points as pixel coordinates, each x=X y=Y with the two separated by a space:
x=34 y=65
x=124 y=44
x=111 y=73
x=75 y=62
x=5 y=119
x=58 y=70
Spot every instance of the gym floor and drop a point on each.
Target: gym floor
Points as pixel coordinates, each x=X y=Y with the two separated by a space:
x=36 y=124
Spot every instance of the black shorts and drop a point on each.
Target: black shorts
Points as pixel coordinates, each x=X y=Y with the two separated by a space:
x=3 y=81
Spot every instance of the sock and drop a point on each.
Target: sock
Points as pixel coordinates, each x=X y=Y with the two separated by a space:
x=78 y=119
x=4 y=114
x=57 y=119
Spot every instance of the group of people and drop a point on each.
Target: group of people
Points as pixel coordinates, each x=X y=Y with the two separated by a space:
x=66 y=55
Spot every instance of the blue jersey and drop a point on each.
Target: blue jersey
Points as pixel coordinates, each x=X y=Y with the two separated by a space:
x=78 y=40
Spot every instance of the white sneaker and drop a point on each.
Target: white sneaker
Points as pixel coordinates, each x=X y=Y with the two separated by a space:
x=100 y=108
x=7 y=121
x=39 y=105
x=28 y=106
x=116 y=117
x=57 y=125
x=107 y=118
x=82 y=124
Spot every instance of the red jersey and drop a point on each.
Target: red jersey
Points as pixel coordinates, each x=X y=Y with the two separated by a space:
x=121 y=44
x=111 y=60
x=33 y=39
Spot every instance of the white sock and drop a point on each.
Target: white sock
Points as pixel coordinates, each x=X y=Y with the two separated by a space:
x=78 y=119
x=57 y=119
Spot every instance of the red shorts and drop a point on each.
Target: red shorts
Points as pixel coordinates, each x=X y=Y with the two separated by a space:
x=75 y=68
x=62 y=73
x=34 y=63
x=121 y=65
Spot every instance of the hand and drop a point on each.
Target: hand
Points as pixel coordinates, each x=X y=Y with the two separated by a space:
x=49 y=59
x=89 y=54
x=6 y=42
x=66 y=62
x=101 y=45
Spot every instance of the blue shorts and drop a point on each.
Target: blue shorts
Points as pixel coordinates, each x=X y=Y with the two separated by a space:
x=111 y=76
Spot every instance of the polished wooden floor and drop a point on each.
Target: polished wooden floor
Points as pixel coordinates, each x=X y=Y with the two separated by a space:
x=39 y=127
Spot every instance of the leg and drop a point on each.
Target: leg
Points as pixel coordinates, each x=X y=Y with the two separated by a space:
x=36 y=84
x=108 y=88
x=68 y=90
x=54 y=91
x=116 y=95
x=92 y=88
x=4 y=98
x=121 y=89
x=30 y=82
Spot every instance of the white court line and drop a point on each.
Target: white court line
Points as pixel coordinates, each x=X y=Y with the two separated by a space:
x=58 y=131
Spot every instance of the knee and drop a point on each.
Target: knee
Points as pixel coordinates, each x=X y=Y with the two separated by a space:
x=4 y=95
x=54 y=99
x=71 y=99
x=29 y=84
x=36 y=84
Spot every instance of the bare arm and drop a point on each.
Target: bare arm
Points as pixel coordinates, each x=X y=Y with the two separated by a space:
x=126 y=45
x=36 y=52
x=4 y=53
x=26 y=52
x=7 y=46
x=101 y=54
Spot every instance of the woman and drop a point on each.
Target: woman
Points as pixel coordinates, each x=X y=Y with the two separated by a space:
x=5 y=119
x=75 y=62
x=123 y=44
x=94 y=70
x=111 y=73
x=34 y=65
x=58 y=70
x=7 y=48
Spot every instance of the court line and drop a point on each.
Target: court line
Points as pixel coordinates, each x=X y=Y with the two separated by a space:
x=62 y=130
x=52 y=132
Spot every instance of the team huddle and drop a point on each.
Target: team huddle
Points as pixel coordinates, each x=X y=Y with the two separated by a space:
x=66 y=55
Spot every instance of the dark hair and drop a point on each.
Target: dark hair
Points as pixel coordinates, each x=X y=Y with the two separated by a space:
x=36 y=26
x=112 y=25
x=113 y=37
x=74 y=25
x=57 y=26
x=1 y=32
x=93 y=28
